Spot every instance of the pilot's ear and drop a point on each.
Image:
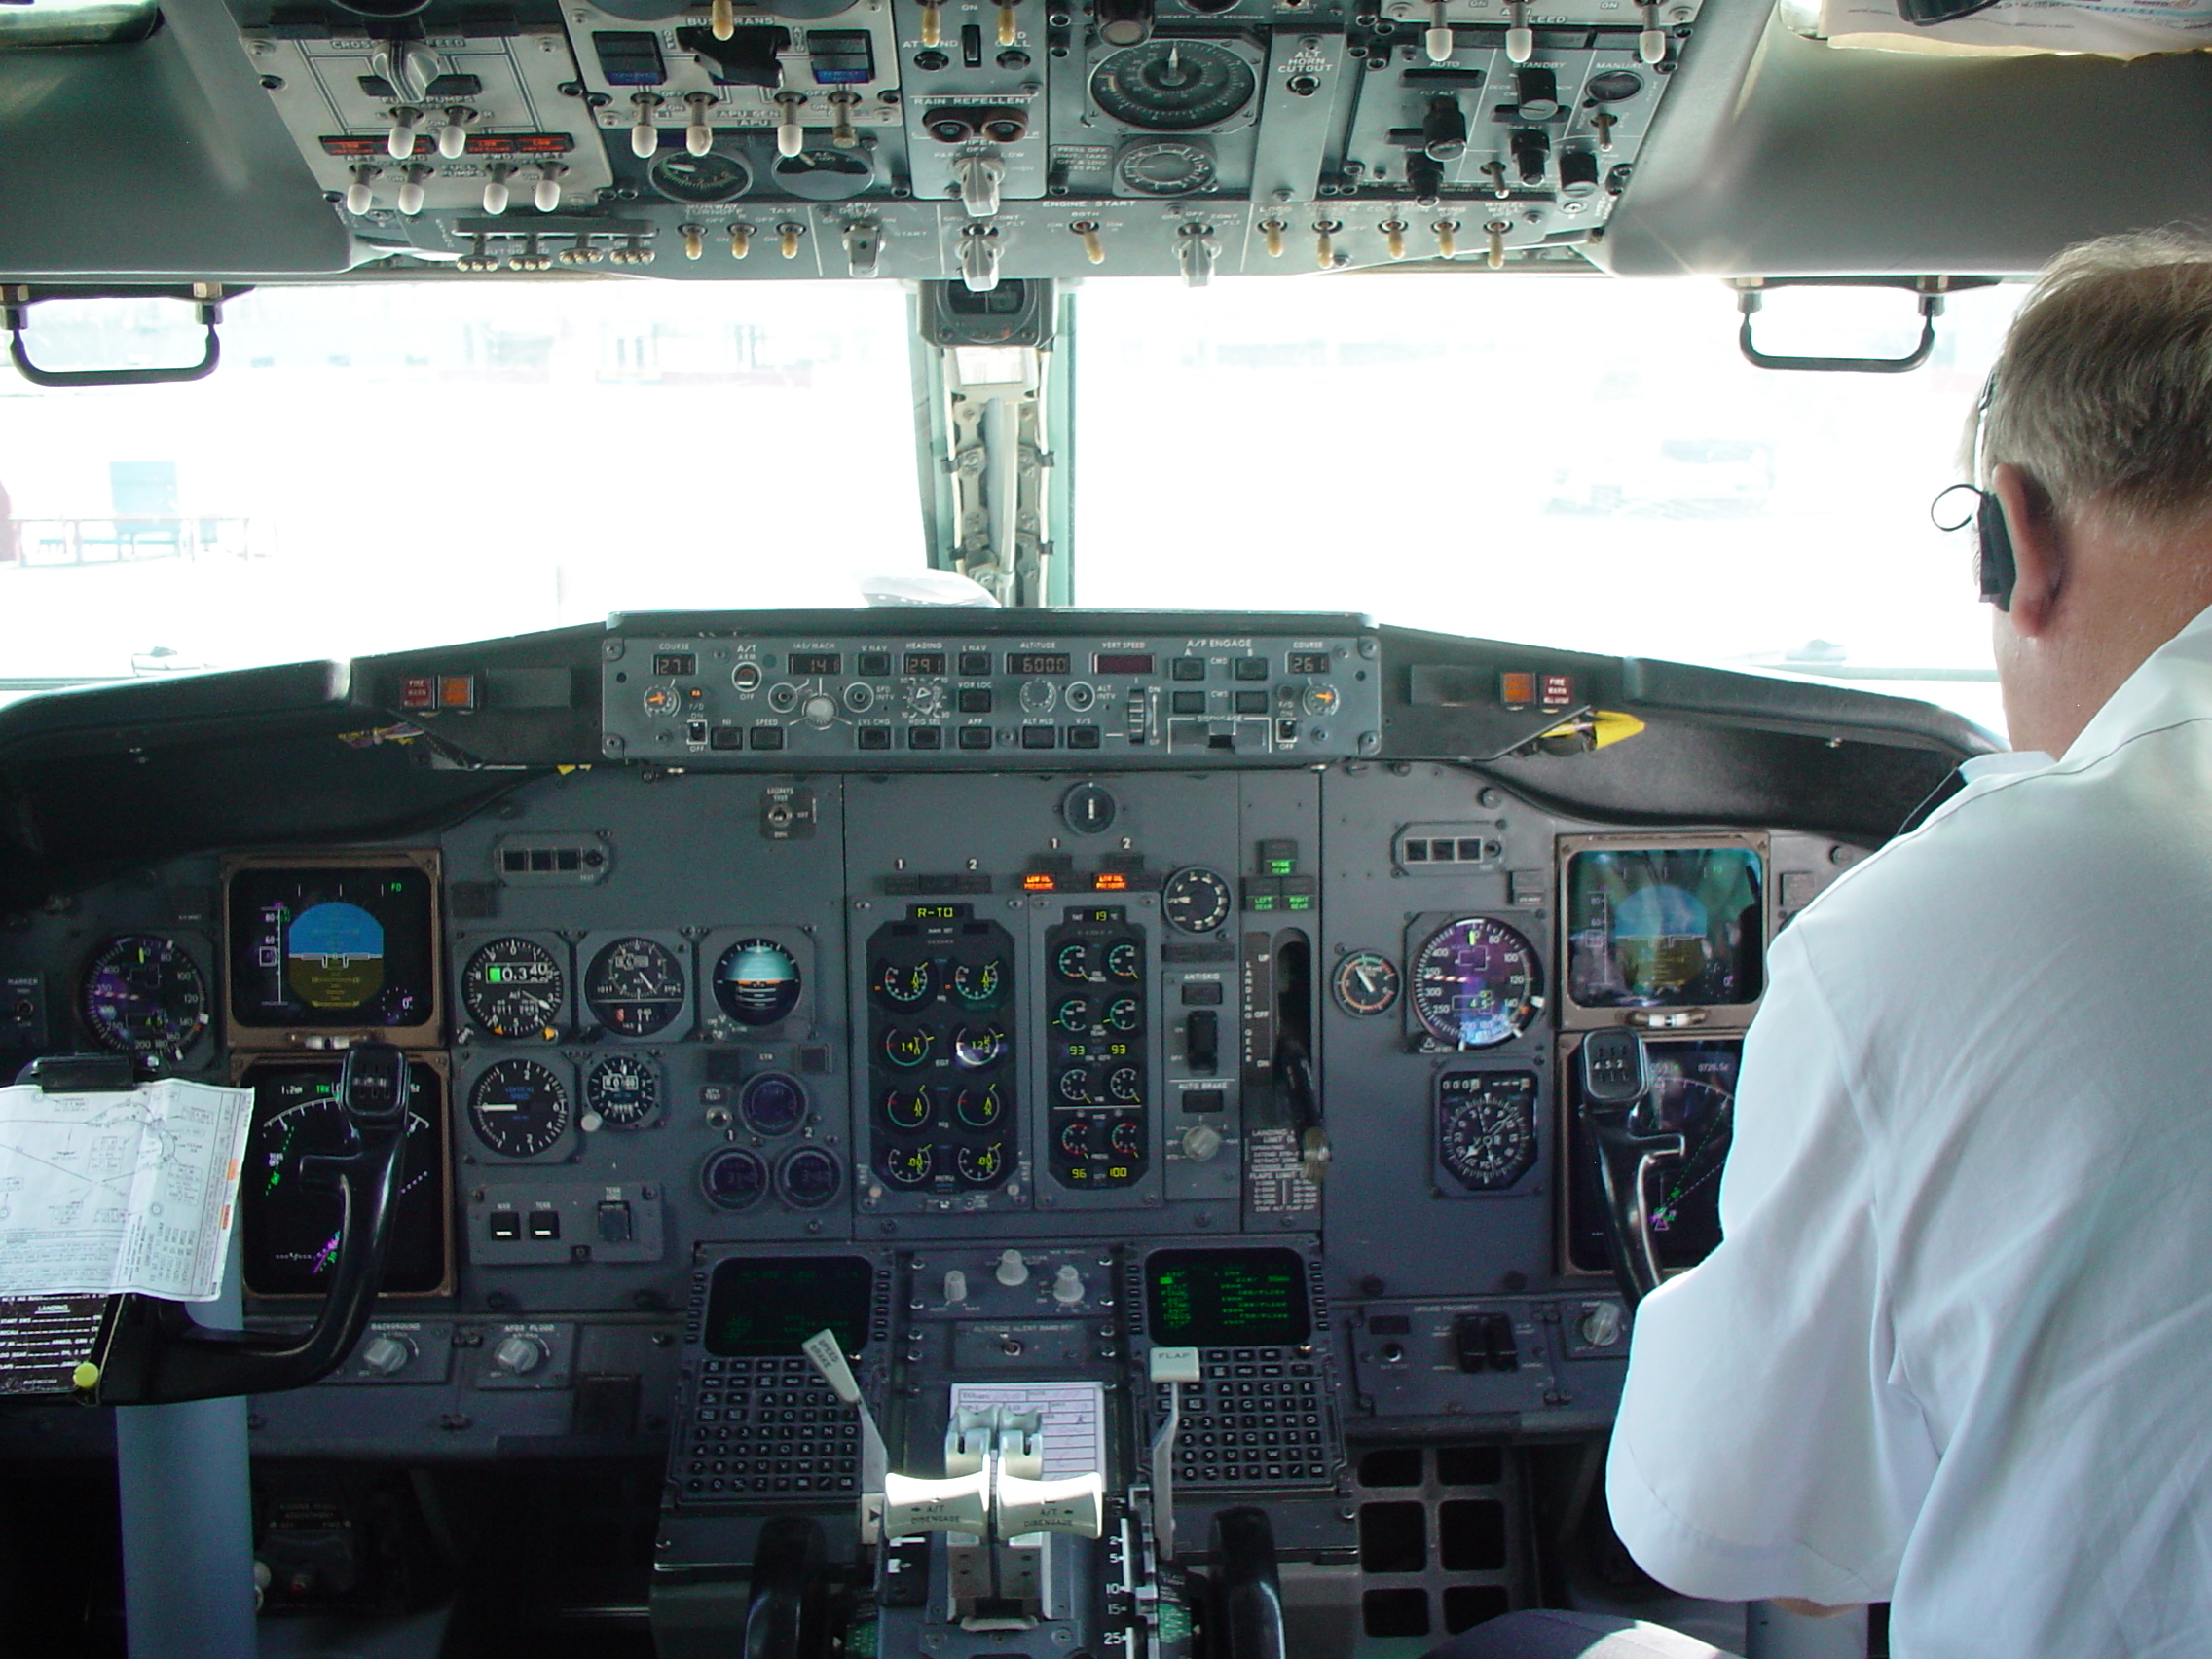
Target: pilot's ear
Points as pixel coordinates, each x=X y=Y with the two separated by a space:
x=2039 y=548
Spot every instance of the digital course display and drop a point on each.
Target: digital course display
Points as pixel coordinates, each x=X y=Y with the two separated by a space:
x=768 y=1305
x=1664 y=926
x=333 y=949
x=1693 y=1093
x=1226 y=1298
x=291 y=1218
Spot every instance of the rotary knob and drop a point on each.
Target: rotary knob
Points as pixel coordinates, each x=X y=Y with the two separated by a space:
x=1012 y=1271
x=1600 y=1327
x=1039 y=696
x=519 y=1355
x=1201 y=1142
x=386 y=1354
x=1067 y=1285
x=820 y=710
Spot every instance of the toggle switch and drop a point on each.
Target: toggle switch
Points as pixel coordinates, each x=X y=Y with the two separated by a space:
x=740 y=241
x=1447 y=238
x=399 y=142
x=791 y=123
x=496 y=188
x=1605 y=120
x=1485 y=1341
x=1093 y=244
x=721 y=18
x=546 y=198
x=698 y=135
x=1325 y=243
x=410 y=188
x=1651 y=41
x=1006 y=28
x=842 y=103
x=644 y=134
x=358 y=201
x=695 y=240
x=453 y=136
x=787 y=239
x=1271 y=237
x=1438 y=40
x=1496 y=230
x=933 y=24
x=1520 y=38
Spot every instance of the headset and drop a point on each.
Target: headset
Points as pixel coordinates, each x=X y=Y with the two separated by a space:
x=1994 y=564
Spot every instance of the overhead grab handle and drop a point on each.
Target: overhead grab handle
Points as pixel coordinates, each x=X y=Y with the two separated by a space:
x=1929 y=291
x=205 y=298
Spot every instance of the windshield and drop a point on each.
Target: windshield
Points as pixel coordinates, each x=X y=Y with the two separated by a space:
x=1567 y=461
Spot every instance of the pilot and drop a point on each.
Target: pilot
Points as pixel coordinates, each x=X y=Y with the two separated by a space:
x=1952 y=1354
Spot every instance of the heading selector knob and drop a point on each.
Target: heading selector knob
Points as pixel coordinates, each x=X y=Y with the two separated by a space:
x=1067 y=1285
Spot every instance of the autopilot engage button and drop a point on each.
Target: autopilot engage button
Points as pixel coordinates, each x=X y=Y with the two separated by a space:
x=974 y=737
x=1040 y=737
x=1249 y=668
x=767 y=737
x=1187 y=668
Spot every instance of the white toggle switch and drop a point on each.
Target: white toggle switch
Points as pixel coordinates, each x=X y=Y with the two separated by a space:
x=722 y=19
x=358 y=201
x=955 y=1289
x=698 y=136
x=496 y=190
x=1520 y=38
x=411 y=192
x=1067 y=1285
x=791 y=125
x=1012 y=1270
x=911 y=1505
x=644 y=134
x=399 y=142
x=546 y=198
x=1438 y=40
x=453 y=136
x=1076 y=1506
x=1651 y=42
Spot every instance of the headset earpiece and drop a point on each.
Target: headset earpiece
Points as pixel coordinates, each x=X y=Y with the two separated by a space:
x=1993 y=551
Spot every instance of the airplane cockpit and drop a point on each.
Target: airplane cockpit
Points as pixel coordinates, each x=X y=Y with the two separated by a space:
x=943 y=828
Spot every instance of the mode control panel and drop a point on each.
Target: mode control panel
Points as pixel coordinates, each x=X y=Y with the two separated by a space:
x=1211 y=695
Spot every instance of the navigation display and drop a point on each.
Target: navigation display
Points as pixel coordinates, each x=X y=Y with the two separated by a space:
x=289 y=1218
x=764 y=1306
x=1226 y=1298
x=1664 y=926
x=1693 y=1093
x=332 y=947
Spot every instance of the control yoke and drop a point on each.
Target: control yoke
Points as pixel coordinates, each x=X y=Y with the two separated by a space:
x=157 y=1355
x=1616 y=1079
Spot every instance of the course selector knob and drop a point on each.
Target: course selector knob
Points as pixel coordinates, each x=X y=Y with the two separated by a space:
x=1012 y=1270
x=519 y=1355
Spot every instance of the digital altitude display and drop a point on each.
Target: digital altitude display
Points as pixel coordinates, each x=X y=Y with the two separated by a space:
x=1039 y=662
x=804 y=663
x=1226 y=1298
x=289 y=1219
x=332 y=947
x=766 y=1306
x=1693 y=1094
x=1123 y=662
x=1664 y=926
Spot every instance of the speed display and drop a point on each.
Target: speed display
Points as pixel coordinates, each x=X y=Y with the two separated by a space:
x=1476 y=982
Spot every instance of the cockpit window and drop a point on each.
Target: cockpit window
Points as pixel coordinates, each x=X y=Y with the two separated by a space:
x=384 y=465
x=1564 y=460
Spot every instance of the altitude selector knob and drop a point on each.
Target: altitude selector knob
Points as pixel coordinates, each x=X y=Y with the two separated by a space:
x=519 y=1355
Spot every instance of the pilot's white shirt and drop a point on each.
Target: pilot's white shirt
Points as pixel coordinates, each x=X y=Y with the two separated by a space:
x=1955 y=1351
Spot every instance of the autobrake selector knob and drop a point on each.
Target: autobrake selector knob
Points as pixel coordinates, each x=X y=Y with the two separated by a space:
x=1600 y=1327
x=519 y=1355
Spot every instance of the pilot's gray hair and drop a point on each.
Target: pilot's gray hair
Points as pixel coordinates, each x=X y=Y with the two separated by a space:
x=2103 y=391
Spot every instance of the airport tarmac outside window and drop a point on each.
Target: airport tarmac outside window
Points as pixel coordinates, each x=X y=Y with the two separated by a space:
x=1567 y=461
